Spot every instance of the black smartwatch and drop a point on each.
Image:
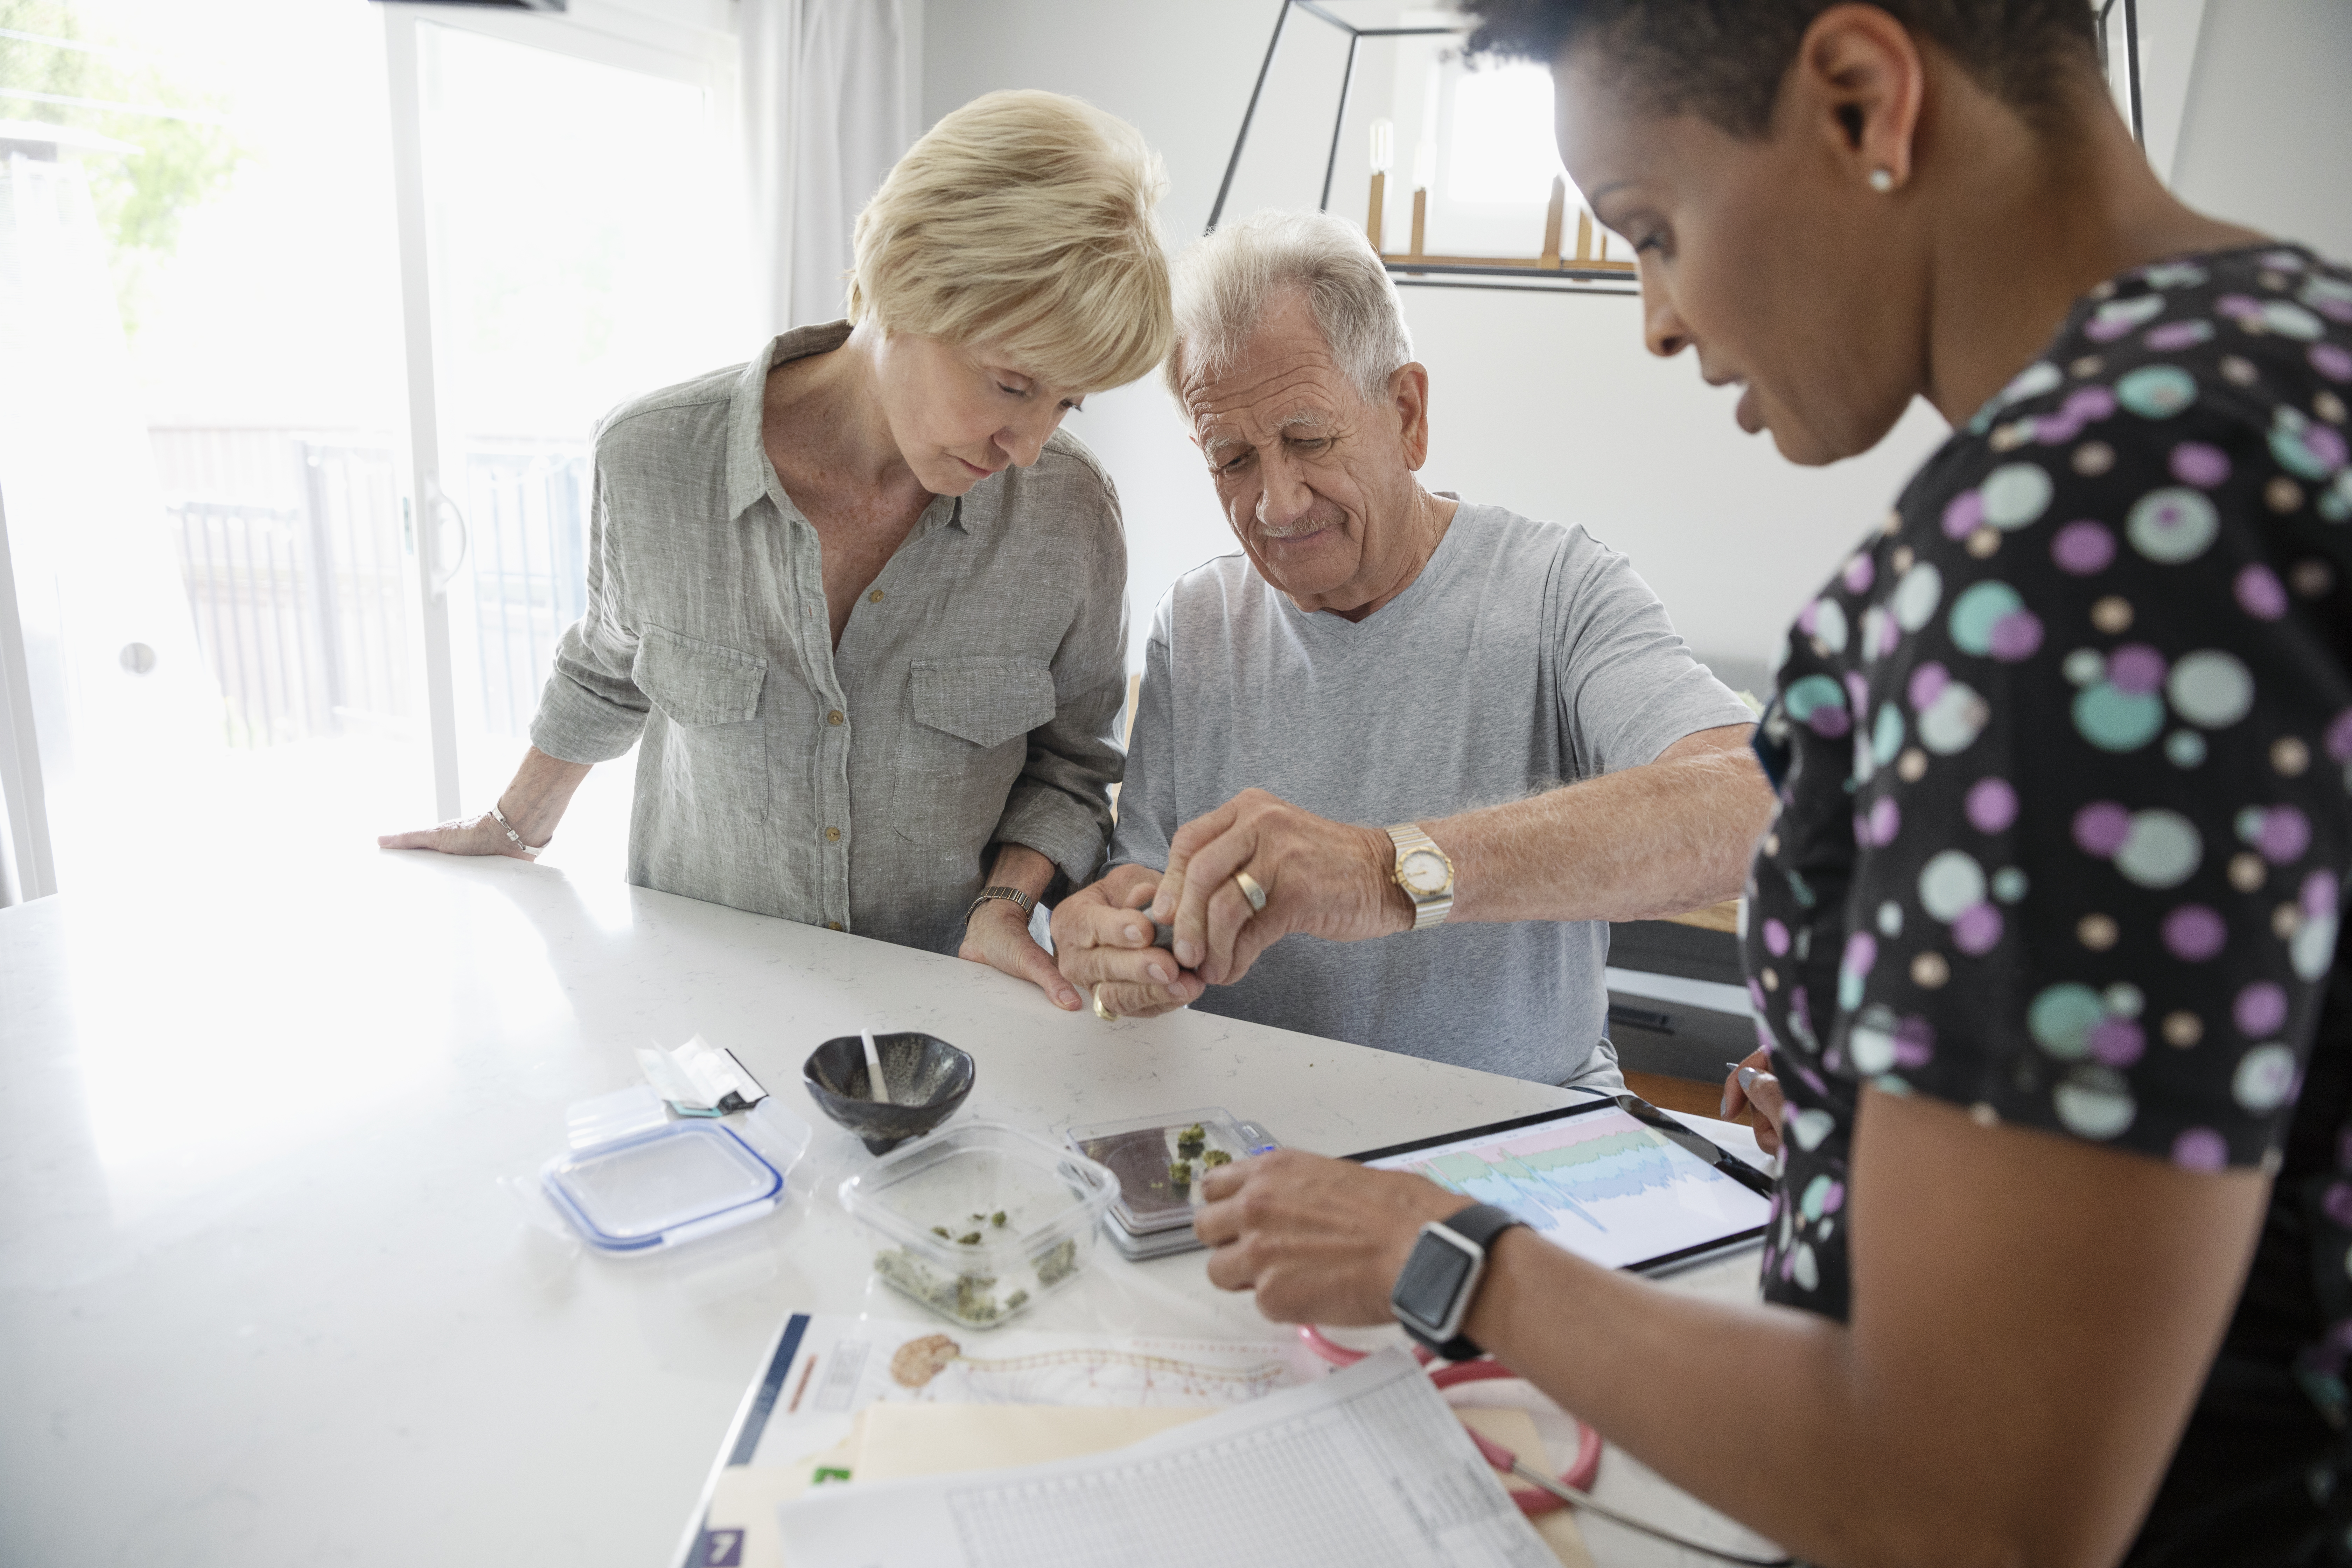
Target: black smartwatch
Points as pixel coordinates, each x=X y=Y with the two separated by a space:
x=1440 y=1275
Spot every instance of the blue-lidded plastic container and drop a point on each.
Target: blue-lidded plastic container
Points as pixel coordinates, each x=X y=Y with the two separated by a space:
x=680 y=1182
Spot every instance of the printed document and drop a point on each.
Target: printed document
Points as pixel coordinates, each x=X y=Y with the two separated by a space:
x=1367 y=1468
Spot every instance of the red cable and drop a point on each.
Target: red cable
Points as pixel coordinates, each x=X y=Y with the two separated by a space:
x=1487 y=1369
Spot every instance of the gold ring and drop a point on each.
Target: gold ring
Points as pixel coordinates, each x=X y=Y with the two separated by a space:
x=1105 y=1014
x=1251 y=891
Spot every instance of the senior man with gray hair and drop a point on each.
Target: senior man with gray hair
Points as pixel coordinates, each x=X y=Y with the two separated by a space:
x=1393 y=712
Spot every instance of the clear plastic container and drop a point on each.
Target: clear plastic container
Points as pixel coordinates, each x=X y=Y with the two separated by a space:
x=680 y=1182
x=978 y=1222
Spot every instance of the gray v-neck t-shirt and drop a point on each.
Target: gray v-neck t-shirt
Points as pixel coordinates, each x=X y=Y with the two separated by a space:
x=1526 y=656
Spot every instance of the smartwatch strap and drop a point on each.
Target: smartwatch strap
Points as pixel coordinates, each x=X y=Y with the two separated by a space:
x=1479 y=1224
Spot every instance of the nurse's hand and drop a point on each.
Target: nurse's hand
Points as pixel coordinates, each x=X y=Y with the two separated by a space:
x=1320 y=1241
x=1752 y=1082
x=1103 y=942
x=998 y=936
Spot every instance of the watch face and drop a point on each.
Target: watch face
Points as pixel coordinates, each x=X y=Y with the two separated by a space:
x=1423 y=872
x=1433 y=1275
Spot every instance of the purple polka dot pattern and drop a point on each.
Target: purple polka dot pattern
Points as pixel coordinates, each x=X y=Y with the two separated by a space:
x=1991 y=806
x=2083 y=547
x=2065 y=762
x=2260 y=593
x=2194 y=933
x=2261 y=1009
x=2195 y=463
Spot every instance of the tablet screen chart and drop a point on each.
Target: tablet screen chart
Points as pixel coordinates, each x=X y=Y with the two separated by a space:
x=1602 y=1185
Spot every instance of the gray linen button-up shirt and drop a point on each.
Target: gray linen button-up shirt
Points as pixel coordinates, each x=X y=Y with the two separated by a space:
x=974 y=700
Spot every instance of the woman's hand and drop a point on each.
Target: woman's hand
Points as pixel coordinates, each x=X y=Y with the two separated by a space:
x=459 y=836
x=1103 y=941
x=998 y=935
x=1752 y=1082
x=533 y=803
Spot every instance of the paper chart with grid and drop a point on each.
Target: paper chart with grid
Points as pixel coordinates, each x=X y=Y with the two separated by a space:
x=1366 y=1469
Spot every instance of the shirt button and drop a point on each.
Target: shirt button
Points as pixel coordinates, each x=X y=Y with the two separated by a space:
x=834 y=717
x=874 y=598
x=832 y=835
x=833 y=925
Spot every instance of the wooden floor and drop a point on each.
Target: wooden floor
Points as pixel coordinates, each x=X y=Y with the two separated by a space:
x=1683 y=1094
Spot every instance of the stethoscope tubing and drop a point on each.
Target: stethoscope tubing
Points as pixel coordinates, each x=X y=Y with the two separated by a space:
x=1574 y=1489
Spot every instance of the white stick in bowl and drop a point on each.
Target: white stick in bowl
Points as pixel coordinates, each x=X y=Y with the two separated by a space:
x=877 y=1087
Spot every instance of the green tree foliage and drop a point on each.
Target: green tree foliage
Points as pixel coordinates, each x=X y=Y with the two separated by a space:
x=140 y=198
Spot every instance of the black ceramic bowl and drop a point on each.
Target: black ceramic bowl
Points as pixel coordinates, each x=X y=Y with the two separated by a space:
x=928 y=1077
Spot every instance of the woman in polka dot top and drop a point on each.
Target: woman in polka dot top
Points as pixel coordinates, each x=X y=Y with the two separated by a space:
x=2055 y=1041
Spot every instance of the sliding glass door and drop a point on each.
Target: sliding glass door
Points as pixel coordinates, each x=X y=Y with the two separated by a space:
x=317 y=303
x=571 y=236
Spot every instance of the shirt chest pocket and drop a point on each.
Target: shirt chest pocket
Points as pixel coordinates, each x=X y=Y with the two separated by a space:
x=967 y=741
x=715 y=758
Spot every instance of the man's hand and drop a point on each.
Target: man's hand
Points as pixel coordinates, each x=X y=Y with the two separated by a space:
x=1102 y=939
x=1320 y=1241
x=998 y=936
x=1323 y=877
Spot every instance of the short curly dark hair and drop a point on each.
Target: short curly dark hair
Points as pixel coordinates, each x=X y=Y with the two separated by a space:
x=1725 y=59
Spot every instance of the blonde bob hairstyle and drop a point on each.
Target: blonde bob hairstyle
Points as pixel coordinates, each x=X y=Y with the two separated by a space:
x=1024 y=221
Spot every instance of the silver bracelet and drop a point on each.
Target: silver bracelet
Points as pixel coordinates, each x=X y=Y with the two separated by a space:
x=516 y=837
x=1013 y=896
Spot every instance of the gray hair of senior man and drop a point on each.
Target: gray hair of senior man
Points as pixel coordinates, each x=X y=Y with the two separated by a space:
x=1225 y=284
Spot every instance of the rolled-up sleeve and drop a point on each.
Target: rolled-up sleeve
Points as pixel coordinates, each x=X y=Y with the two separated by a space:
x=1629 y=685
x=1060 y=806
x=590 y=710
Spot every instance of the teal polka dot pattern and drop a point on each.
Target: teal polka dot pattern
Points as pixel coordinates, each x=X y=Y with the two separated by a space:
x=2064 y=765
x=2172 y=525
x=2015 y=494
x=2156 y=391
x=2115 y=719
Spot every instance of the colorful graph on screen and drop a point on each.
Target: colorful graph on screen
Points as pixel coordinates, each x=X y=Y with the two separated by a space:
x=1601 y=1184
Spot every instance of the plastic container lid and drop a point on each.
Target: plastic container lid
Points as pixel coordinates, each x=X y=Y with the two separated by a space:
x=977 y=1223
x=680 y=1181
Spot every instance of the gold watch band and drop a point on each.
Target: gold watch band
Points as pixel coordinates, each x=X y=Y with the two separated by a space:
x=1428 y=908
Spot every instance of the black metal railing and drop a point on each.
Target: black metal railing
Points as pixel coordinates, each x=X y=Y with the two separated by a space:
x=294 y=558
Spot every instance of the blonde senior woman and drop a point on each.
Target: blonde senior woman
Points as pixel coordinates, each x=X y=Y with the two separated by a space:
x=860 y=603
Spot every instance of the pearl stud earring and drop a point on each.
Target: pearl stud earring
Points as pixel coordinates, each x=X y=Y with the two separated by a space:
x=1882 y=180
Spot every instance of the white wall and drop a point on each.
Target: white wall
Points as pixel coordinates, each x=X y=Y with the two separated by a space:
x=1549 y=404
x=1544 y=403
x=2268 y=118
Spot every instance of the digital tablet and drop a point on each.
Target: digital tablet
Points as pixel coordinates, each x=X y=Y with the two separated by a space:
x=1616 y=1181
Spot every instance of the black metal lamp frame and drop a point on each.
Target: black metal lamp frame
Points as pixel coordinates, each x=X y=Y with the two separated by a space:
x=1569 y=278
x=1564 y=280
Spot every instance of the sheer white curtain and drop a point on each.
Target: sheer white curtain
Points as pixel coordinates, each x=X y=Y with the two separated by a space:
x=832 y=96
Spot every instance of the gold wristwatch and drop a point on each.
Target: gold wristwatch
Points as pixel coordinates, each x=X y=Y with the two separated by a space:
x=1424 y=872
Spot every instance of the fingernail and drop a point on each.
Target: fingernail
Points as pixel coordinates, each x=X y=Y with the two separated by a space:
x=1070 y=1000
x=1177 y=992
x=1135 y=934
x=1726 y=1112
x=1157 y=973
x=1188 y=953
x=1748 y=1078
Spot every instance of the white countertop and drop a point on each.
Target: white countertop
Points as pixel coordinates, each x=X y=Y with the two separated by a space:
x=264 y=1299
